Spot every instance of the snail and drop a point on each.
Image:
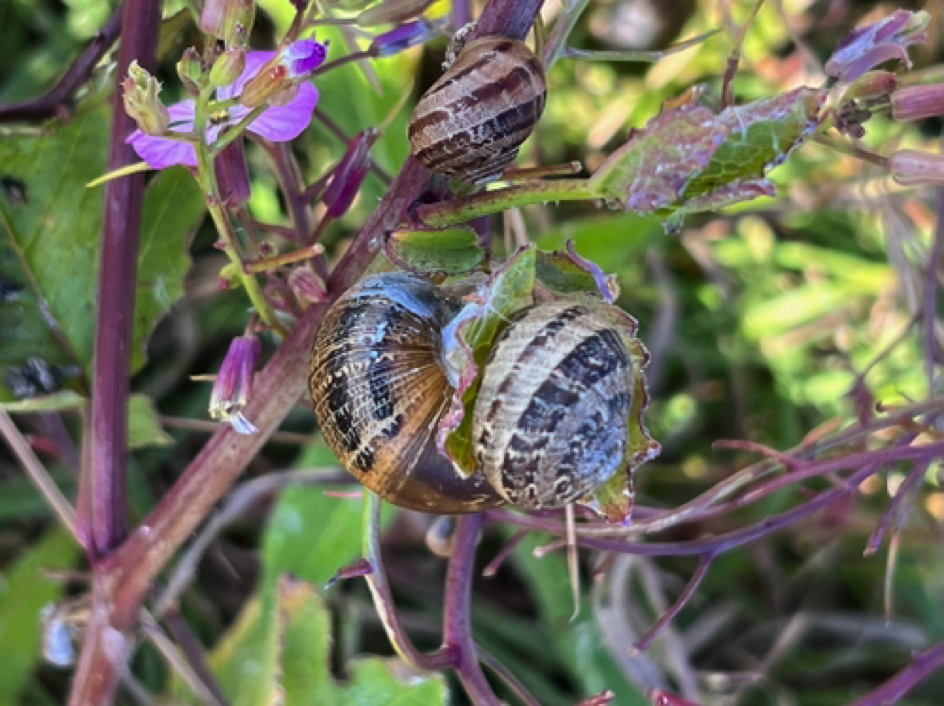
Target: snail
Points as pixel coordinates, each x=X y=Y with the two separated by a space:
x=550 y=420
x=471 y=122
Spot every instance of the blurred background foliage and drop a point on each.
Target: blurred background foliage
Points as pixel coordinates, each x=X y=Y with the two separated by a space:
x=762 y=322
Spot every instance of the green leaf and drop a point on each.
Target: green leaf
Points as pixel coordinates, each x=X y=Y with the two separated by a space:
x=311 y=535
x=392 y=683
x=49 y=243
x=144 y=427
x=451 y=251
x=689 y=159
x=281 y=654
x=50 y=229
x=173 y=209
x=578 y=643
x=281 y=642
x=24 y=592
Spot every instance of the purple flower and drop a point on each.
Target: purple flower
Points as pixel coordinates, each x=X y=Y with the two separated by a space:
x=278 y=123
x=231 y=389
x=877 y=43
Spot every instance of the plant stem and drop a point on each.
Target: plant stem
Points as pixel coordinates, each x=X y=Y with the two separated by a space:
x=447 y=213
x=57 y=102
x=39 y=475
x=457 y=632
x=206 y=177
x=125 y=577
x=102 y=481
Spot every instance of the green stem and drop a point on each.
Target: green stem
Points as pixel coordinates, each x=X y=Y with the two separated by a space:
x=211 y=193
x=460 y=210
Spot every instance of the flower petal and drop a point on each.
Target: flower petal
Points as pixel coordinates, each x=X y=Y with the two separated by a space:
x=305 y=56
x=286 y=122
x=161 y=152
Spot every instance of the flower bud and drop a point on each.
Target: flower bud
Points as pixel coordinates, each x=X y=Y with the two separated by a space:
x=306 y=285
x=238 y=21
x=212 y=16
x=392 y=12
x=913 y=168
x=228 y=66
x=403 y=37
x=349 y=174
x=304 y=56
x=270 y=80
x=141 y=101
x=233 y=382
x=232 y=175
x=190 y=71
x=871 y=85
x=917 y=102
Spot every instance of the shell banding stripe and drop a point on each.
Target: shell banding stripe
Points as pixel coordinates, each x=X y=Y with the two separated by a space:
x=361 y=391
x=472 y=121
x=573 y=359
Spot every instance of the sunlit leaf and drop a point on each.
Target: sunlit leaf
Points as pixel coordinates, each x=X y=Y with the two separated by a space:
x=690 y=159
x=50 y=228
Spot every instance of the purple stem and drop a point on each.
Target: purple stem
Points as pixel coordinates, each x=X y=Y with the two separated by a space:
x=930 y=290
x=457 y=633
x=55 y=104
x=127 y=574
x=921 y=667
x=670 y=614
x=895 y=507
x=102 y=482
x=723 y=542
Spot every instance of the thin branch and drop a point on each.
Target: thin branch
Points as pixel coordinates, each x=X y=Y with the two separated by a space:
x=669 y=615
x=921 y=667
x=56 y=103
x=457 y=632
x=38 y=474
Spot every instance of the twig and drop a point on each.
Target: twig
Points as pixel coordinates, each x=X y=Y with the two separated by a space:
x=234 y=507
x=55 y=103
x=669 y=615
x=178 y=662
x=457 y=633
x=38 y=474
x=922 y=666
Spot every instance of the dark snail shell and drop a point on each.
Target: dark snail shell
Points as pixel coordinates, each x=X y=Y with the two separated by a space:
x=552 y=414
x=472 y=121
x=379 y=391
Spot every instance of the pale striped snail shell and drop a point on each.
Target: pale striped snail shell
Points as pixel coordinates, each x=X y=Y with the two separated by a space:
x=551 y=416
x=472 y=121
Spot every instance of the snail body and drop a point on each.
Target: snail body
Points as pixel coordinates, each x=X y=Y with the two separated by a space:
x=550 y=419
x=471 y=122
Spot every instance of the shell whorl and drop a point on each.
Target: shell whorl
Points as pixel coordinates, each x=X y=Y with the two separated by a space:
x=378 y=392
x=472 y=121
x=552 y=413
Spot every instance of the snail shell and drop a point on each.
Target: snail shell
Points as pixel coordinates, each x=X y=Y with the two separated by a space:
x=379 y=391
x=552 y=414
x=472 y=121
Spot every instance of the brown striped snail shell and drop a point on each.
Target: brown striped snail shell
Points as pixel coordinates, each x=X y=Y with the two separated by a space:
x=378 y=391
x=550 y=420
x=472 y=121
x=552 y=414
